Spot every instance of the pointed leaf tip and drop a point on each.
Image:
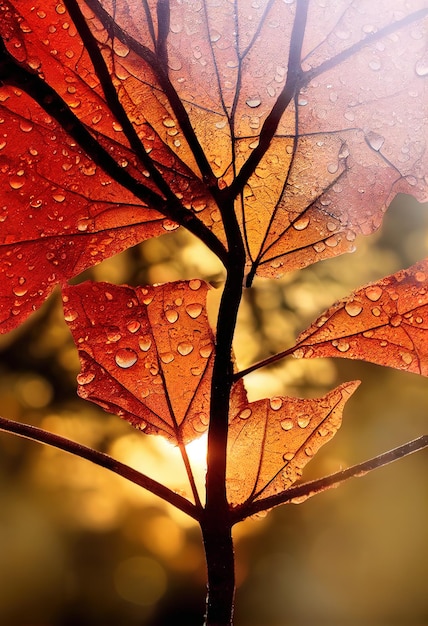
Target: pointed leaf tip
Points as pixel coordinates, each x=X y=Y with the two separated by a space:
x=271 y=441
x=385 y=322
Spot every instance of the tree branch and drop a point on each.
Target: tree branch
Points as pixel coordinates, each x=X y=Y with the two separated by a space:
x=103 y=460
x=305 y=490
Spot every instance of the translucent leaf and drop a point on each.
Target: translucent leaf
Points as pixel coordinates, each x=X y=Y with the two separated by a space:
x=146 y=353
x=270 y=441
x=384 y=322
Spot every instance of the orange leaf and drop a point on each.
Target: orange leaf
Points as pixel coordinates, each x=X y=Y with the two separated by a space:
x=384 y=322
x=270 y=441
x=146 y=353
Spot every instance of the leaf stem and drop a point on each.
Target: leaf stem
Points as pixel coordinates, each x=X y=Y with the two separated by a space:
x=104 y=460
x=313 y=487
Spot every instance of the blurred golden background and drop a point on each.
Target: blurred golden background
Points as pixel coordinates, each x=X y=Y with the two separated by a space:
x=79 y=545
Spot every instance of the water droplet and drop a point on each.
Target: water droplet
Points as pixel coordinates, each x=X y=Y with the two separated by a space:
x=332 y=168
x=301 y=223
x=58 y=197
x=84 y=378
x=184 y=348
x=16 y=183
x=70 y=315
x=420 y=277
x=287 y=424
x=353 y=308
x=169 y=225
x=396 y=320
x=168 y=123
x=299 y=353
x=253 y=102
x=120 y=48
x=195 y=284
x=125 y=357
x=376 y=311
x=342 y=345
x=375 y=140
x=166 y=357
x=309 y=451
x=288 y=456
x=205 y=351
x=113 y=334
x=406 y=357
x=375 y=65
x=25 y=125
x=196 y=371
x=245 y=414
x=421 y=67
x=19 y=290
x=373 y=292
x=303 y=421
x=275 y=403
x=83 y=224
x=145 y=343
x=194 y=310
x=171 y=315
x=133 y=326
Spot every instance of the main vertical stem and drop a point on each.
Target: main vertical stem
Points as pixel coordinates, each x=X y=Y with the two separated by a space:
x=216 y=525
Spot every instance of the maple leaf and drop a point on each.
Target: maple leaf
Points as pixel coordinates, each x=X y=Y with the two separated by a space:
x=384 y=322
x=146 y=353
x=271 y=440
x=142 y=121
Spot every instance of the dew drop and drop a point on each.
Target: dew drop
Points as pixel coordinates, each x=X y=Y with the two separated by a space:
x=245 y=414
x=301 y=223
x=421 y=67
x=420 y=277
x=375 y=140
x=166 y=357
x=171 y=315
x=25 y=125
x=299 y=353
x=253 y=102
x=70 y=315
x=169 y=225
x=396 y=320
x=145 y=343
x=373 y=292
x=287 y=424
x=288 y=456
x=113 y=334
x=19 y=290
x=58 y=197
x=275 y=403
x=353 y=308
x=303 y=421
x=195 y=284
x=376 y=311
x=406 y=358
x=194 y=310
x=133 y=326
x=205 y=351
x=83 y=224
x=84 y=378
x=125 y=357
x=184 y=348
x=342 y=346
x=309 y=451
x=332 y=168
x=16 y=183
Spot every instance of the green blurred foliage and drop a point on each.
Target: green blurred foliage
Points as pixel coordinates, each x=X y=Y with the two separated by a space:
x=79 y=545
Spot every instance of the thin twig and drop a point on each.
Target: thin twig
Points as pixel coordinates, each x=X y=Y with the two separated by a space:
x=104 y=460
x=305 y=490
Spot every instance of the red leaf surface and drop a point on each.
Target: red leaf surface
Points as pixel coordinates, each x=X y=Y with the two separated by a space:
x=385 y=322
x=146 y=353
x=271 y=441
x=113 y=118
